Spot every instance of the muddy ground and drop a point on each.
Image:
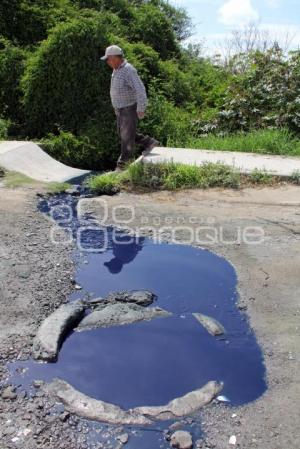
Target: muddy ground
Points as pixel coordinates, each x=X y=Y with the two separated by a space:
x=36 y=276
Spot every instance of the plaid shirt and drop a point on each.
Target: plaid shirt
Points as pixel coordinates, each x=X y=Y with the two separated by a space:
x=127 y=88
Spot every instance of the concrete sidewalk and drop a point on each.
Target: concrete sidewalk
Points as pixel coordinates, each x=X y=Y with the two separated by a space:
x=244 y=162
x=28 y=158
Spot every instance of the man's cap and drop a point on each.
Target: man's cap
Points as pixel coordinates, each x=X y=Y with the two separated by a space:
x=113 y=50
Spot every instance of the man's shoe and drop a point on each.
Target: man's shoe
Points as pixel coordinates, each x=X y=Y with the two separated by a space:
x=154 y=143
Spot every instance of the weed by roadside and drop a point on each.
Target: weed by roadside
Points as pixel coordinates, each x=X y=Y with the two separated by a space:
x=260 y=177
x=14 y=179
x=57 y=187
x=264 y=141
x=165 y=176
x=107 y=183
x=295 y=178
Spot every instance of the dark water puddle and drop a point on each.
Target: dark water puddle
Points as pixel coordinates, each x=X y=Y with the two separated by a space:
x=151 y=363
x=154 y=362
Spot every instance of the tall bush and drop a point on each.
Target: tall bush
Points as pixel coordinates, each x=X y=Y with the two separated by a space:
x=151 y=26
x=66 y=86
x=26 y=22
x=266 y=94
x=166 y=122
x=12 y=62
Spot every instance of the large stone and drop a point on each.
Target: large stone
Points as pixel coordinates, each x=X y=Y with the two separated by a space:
x=123 y=438
x=140 y=297
x=9 y=393
x=90 y=408
x=185 y=405
x=54 y=329
x=116 y=314
x=181 y=440
x=211 y=325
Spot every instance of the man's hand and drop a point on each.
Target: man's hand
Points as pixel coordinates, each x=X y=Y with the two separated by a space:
x=140 y=114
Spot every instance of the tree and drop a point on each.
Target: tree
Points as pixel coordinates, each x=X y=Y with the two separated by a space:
x=151 y=26
x=66 y=87
x=12 y=63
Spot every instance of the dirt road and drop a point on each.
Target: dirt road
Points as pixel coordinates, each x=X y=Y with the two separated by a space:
x=35 y=279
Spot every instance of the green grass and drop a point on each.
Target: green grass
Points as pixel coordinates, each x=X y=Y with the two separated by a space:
x=260 y=177
x=295 y=178
x=106 y=184
x=15 y=179
x=168 y=176
x=4 y=128
x=57 y=187
x=267 y=141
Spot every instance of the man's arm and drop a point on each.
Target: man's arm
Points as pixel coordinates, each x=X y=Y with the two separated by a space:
x=135 y=82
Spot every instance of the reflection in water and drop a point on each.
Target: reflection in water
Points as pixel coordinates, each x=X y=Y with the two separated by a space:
x=125 y=251
x=153 y=362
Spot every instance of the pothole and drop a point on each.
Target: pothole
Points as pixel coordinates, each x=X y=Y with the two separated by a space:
x=150 y=363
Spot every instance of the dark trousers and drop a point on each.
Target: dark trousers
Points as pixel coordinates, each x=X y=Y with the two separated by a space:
x=127 y=121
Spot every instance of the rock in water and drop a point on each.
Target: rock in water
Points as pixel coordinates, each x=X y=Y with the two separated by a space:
x=123 y=438
x=211 y=325
x=139 y=297
x=185 y=405
x=116 y=314
x=181 y=440
x=54 y=328
x=90 y=408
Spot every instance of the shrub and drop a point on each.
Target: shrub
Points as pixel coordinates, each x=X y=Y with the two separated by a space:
x=57 y=187
x=295 y=178
x=265 y=94
x=22 y=21
x=175 y=176
x=84 y=151
x=106 y=184
x=265 y=141
x=65 y=84
x=151 y=26
x=164 y=121
x=4 y=128
x=12 y=61
x=70 y=149
x=105 y=149
x=176 y=85
x=260 y=177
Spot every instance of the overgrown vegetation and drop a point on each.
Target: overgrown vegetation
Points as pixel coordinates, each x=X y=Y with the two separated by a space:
x=295 y=178
x=173 y=176
x=4 y=128
x=265 y=141
x=54 y=88
x=57 y=187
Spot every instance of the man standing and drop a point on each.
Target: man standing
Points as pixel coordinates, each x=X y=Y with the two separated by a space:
x=129 y=100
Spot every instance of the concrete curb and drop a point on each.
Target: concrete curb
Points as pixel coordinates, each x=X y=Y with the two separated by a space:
x=29 y=159
x=244 y=162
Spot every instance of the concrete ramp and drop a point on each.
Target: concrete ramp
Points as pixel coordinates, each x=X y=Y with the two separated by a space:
x=244 y=162
x=28 y=158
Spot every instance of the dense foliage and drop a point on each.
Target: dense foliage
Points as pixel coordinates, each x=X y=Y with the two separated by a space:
x=54 y=88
